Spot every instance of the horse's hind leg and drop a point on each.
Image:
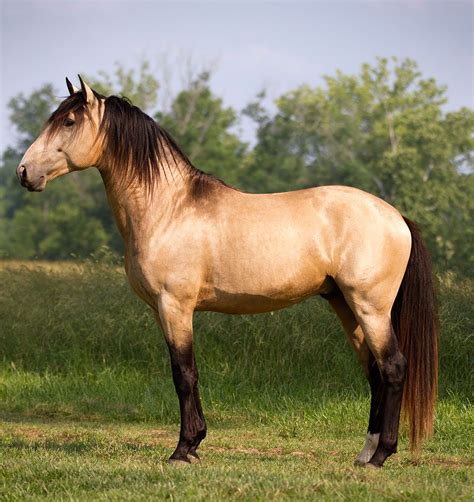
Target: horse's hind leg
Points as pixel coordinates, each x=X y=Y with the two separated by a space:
x=377 y=327
x=376 y=412
x=356 y=338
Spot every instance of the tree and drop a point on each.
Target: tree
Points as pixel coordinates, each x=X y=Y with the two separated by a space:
x=202 y=126
x=140 y=86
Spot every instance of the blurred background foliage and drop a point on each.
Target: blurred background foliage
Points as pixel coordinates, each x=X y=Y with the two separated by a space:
x=385 y=130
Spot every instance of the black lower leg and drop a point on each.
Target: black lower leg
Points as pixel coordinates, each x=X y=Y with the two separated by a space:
x=202 y=433
x=376 y=412
x=393 y=375
x=376 y=399
x=193 y=426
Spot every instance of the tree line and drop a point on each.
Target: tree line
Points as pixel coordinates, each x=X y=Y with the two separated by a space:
x=384 y=130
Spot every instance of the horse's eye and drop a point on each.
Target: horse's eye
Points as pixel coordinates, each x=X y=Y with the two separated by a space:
x=69 y=122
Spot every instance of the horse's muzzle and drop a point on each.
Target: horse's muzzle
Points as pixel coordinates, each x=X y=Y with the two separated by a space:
x=23 y=173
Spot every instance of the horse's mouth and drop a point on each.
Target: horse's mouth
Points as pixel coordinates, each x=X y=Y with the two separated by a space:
x=37 y=186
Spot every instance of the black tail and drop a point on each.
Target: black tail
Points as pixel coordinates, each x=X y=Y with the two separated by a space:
x=415 y=323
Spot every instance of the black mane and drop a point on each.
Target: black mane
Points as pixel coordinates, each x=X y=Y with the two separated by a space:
x=134 y=145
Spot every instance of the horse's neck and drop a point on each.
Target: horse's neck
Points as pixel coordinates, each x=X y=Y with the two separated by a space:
x=138 y=211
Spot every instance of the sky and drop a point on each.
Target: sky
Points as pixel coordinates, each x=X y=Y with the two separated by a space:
x=250 y=44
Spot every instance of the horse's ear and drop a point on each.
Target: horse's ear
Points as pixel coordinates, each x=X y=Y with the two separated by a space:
x=87 y=91
x=71 y=87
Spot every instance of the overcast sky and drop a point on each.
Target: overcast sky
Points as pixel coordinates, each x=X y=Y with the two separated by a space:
x=253 y=44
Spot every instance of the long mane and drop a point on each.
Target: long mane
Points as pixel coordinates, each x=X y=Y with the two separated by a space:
x=135 y=148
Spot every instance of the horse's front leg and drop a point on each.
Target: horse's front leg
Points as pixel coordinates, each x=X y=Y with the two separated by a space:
x=175 y=319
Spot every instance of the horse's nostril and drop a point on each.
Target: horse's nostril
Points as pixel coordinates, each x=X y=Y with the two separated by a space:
x=23 y=173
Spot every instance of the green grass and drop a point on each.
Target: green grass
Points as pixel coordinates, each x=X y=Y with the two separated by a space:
x=88 y=410
x=306 y=459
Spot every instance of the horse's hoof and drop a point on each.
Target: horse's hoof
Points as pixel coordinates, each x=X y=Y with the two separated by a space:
x=194 y=458
x=178 y=462
x=359 y=463
x=370 y=466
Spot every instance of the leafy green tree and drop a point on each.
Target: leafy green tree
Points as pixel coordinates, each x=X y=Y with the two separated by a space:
x=139 y=85
x=28 y=114
x=202 y=126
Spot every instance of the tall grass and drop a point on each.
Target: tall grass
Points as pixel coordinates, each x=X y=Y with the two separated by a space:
x=78 y=342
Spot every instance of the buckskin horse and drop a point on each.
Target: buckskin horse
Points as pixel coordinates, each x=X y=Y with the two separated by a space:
x=194 y=243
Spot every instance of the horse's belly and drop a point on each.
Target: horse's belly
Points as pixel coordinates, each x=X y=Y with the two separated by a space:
x=245 y=303
x=260 y=293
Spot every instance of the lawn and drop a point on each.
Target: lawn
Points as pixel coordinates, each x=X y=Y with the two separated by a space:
x=88 y=410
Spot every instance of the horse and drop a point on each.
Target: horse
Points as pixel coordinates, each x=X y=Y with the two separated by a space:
x=194 y=243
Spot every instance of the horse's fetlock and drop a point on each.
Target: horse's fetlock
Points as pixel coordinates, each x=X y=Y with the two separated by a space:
x=389 y=445
x=202 y=433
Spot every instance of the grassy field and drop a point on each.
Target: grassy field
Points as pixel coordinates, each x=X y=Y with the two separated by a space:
x=88 y=410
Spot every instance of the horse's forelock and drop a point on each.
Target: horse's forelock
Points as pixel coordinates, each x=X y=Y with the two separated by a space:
x=74 y=104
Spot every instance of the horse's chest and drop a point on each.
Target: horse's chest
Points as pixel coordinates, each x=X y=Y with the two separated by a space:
x=143 y=280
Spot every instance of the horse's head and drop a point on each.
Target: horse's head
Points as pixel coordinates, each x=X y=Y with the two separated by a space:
x=69 y=142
